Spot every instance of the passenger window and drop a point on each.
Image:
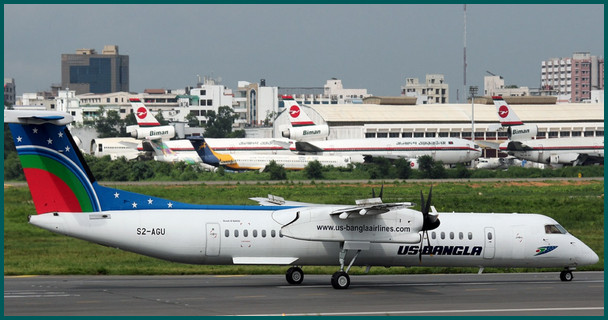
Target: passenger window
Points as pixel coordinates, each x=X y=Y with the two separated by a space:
x=263 y=233
x=442 y=235
x=460 y=235
x=470 y=235
x=433 y=235
x=245 y=233
x=236 y=233
x=227 y=233
x=451 y=235
x=489 y=235
x=255 y=233
x=273 y=233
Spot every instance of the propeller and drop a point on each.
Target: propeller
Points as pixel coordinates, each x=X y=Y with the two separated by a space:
x=381 y=190
x=429 y=221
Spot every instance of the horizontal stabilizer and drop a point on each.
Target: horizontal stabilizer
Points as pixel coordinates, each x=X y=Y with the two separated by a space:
x=37 y=117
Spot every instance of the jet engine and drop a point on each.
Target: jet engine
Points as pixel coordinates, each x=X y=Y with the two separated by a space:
x=316 y=132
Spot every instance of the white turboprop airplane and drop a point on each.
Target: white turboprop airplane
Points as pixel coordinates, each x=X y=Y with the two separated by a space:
x=555 y=151
x=254 y=161
x=70 y=201
x=302 y=127
x=448 y=150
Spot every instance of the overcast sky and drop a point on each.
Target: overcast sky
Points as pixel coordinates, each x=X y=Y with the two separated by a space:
x=366 y=46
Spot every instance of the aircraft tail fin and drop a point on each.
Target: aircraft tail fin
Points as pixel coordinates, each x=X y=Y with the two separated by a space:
x=297 y=116
x=143 y=116
x=506 y=115
x=56 y=172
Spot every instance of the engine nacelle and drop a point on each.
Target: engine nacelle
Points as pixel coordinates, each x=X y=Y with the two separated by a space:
x=306 y=133
x=522 y=132
x=164 y=132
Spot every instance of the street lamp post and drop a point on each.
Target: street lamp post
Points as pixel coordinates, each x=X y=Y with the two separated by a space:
x=473 y=92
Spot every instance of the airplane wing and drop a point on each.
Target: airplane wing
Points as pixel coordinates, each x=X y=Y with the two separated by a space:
x=518 y=146
x=307 y=147
x=273 y=200
x=368 y=207
x=487 y=144
x=128 y=144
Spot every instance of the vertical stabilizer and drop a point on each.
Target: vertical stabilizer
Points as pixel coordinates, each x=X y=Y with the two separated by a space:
x=506 y=115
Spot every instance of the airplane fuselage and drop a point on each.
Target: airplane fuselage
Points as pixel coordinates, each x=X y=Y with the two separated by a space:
x=256 y=237
x=557 y=150
x=447 y=150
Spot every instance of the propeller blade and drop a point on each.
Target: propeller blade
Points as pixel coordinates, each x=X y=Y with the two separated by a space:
x=381 y=190
x=420 y=248
x=373 y=193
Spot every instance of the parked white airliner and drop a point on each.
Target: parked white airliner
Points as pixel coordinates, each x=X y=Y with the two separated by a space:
x=556 y=151
x=70 y=201
x=448 y=150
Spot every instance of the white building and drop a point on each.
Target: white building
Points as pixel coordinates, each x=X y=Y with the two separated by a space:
x=495 y=86
x=434 y=90
x=334 y=90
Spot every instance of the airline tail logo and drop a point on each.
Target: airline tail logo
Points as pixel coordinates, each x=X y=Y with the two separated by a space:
x=503 y=111
x=142 y=113
x=294 y=111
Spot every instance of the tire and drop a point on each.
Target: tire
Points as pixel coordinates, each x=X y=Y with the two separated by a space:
x=294 y=275
x=566 y=276
x=340 y=280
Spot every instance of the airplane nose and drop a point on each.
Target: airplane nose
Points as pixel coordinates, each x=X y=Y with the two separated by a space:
x=586 y=257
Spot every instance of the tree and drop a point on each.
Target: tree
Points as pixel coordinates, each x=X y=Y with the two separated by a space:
x=404 y=170
x=192 y=120
x=108 y=125
x=161 y=119
x=220 y=125
x=277 y=172
x=314 y=170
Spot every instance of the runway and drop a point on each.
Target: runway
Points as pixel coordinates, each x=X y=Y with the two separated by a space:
x=506 y=294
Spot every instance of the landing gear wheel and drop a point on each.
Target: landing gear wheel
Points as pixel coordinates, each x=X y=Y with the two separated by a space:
x=566 y=276
x=340 y=280
x=294 y=275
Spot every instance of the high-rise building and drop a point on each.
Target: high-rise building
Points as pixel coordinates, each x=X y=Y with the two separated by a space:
x=573 y=77
x=9 y=91
x=90 y=72
x=434 y=90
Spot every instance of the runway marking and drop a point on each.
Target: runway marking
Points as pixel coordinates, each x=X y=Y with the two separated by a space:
x=368 y=292
x=480 y=289
x=426 y=311
x=36 y=294
x=247 y=297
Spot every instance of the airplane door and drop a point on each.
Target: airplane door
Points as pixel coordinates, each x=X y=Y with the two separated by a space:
x=490 y=245
x=213 y=239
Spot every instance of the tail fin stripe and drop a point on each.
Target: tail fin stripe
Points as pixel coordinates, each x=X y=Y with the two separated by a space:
x=36 y=160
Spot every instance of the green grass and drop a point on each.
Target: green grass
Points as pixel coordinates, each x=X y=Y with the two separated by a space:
x=577 y=205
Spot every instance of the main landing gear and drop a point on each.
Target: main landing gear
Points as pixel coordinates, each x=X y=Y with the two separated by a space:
x=294 y=275
x=340 y=279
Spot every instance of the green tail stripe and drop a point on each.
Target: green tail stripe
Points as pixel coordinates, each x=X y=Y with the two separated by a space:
x=64 y=173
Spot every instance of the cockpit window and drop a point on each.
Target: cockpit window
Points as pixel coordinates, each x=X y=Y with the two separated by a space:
x=555 y=228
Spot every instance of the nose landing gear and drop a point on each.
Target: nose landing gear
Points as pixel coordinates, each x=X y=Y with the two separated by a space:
x=566 y=275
